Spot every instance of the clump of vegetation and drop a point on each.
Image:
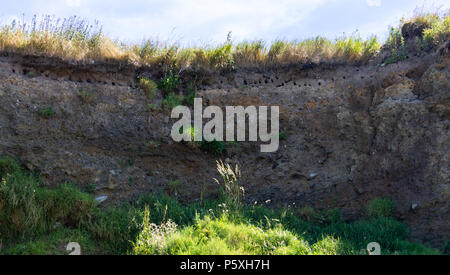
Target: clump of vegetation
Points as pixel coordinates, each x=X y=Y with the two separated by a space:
x=380 y=207
x=396 y=43
x=7 y=166
x=148 y=86
x=436 y=27
x=171 y=101
x=169 y=83
x=434 y=30
x=86 y=96
x=28 y=210
x=153 y=237
x=215 y=147
x=46 y=113
x=230 y=189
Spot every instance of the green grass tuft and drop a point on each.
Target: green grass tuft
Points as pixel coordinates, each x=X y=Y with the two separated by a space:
x=380 y=207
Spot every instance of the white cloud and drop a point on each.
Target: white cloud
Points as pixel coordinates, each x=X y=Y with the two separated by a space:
x=205 y=20
x=373 y=3
x=73 y=3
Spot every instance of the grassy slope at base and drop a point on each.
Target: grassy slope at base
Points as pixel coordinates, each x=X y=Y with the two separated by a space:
x=35 y=220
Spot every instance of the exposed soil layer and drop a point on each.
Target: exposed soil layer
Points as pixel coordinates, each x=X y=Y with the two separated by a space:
x=352 y=133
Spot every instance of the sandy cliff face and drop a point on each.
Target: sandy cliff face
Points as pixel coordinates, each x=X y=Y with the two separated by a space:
x=352 y=134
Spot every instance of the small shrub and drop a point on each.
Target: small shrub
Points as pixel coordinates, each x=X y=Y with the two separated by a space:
x=171 y=101
x=380 y=207
x=148 y=86
x=214 y=147
x=169 y=83
x=396 y=43
x=437 y=33
x=87 y=97
x=46 y=113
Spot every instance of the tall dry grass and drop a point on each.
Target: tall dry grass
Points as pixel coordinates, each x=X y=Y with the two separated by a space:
x=76 y=39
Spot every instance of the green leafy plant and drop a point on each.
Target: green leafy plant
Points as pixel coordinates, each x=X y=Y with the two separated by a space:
x=396 y=43
x=46 y=113
x=169 y=83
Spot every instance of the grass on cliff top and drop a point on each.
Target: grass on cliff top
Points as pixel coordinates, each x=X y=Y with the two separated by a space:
x=76 y=39
x=36 y=220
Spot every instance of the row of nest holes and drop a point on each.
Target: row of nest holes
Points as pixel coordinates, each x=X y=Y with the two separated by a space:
x=26 y=72
x=287 y=81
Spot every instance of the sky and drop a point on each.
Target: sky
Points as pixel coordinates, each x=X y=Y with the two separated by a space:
x=207 y=22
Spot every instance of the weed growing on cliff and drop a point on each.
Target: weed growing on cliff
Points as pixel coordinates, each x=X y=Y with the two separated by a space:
x=436 y=27
x=169 y=83
x=46 y=113
x=380 y=207
x=86 y=96
x=396 y=43
x=171 y=101
x=148 y=86
x=230 y=189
